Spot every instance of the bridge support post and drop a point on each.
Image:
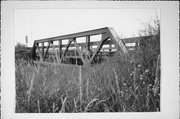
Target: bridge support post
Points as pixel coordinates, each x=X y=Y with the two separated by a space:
x=60 y=48
x=67 y=47
x=39 y=52
x=110 y=47
x=88 y=43
x=78 y=49
x=42 y=50
x=76 y=53
x=55 y=52
x=34 y=51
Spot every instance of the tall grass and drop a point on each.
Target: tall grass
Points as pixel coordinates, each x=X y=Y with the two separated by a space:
x=112 y=86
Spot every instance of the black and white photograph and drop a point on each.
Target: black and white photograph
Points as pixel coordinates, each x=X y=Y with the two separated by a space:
x=88 y=60
x=109 y=69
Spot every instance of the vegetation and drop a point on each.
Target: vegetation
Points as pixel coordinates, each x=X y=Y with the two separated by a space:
x=150 y=45
x=22 y=52
x=113 y=86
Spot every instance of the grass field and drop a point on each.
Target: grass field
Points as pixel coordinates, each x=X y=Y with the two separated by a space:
x=112 y=86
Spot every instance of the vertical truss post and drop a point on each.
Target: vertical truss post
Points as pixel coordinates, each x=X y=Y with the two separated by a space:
x=75 y=52
x=60 y=48
x=55 y=52
x=78 y=50
x=88 y=42
x=110 y=47
x=39 y=52
x=34 y=51
x=42 y=50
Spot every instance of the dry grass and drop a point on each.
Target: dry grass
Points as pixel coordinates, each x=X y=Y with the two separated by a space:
x=112 y=86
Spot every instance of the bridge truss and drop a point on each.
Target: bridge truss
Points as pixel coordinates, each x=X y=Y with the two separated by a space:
x=81 y=48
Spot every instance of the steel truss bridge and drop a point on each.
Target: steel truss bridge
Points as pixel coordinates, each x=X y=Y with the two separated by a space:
x=82 y=48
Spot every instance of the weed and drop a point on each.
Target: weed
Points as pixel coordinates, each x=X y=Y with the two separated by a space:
x=112 y=86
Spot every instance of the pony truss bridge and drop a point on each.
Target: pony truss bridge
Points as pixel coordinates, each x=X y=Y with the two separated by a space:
x=83 y=48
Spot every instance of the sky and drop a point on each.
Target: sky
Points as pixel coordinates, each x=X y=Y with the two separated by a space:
x=45 y=23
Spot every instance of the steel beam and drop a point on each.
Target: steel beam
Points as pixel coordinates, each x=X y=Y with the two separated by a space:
x=33 y=51
x=55 y=52
x=47 y=50
x=39 y=52
x=60 y=48
x=74 y=35
x=67 y=47
x=104 y=39
x=88 y=43
x=119 y=44
x=78 y=50
x=42 y=50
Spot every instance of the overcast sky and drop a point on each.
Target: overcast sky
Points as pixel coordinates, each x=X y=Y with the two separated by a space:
x=44 y=23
